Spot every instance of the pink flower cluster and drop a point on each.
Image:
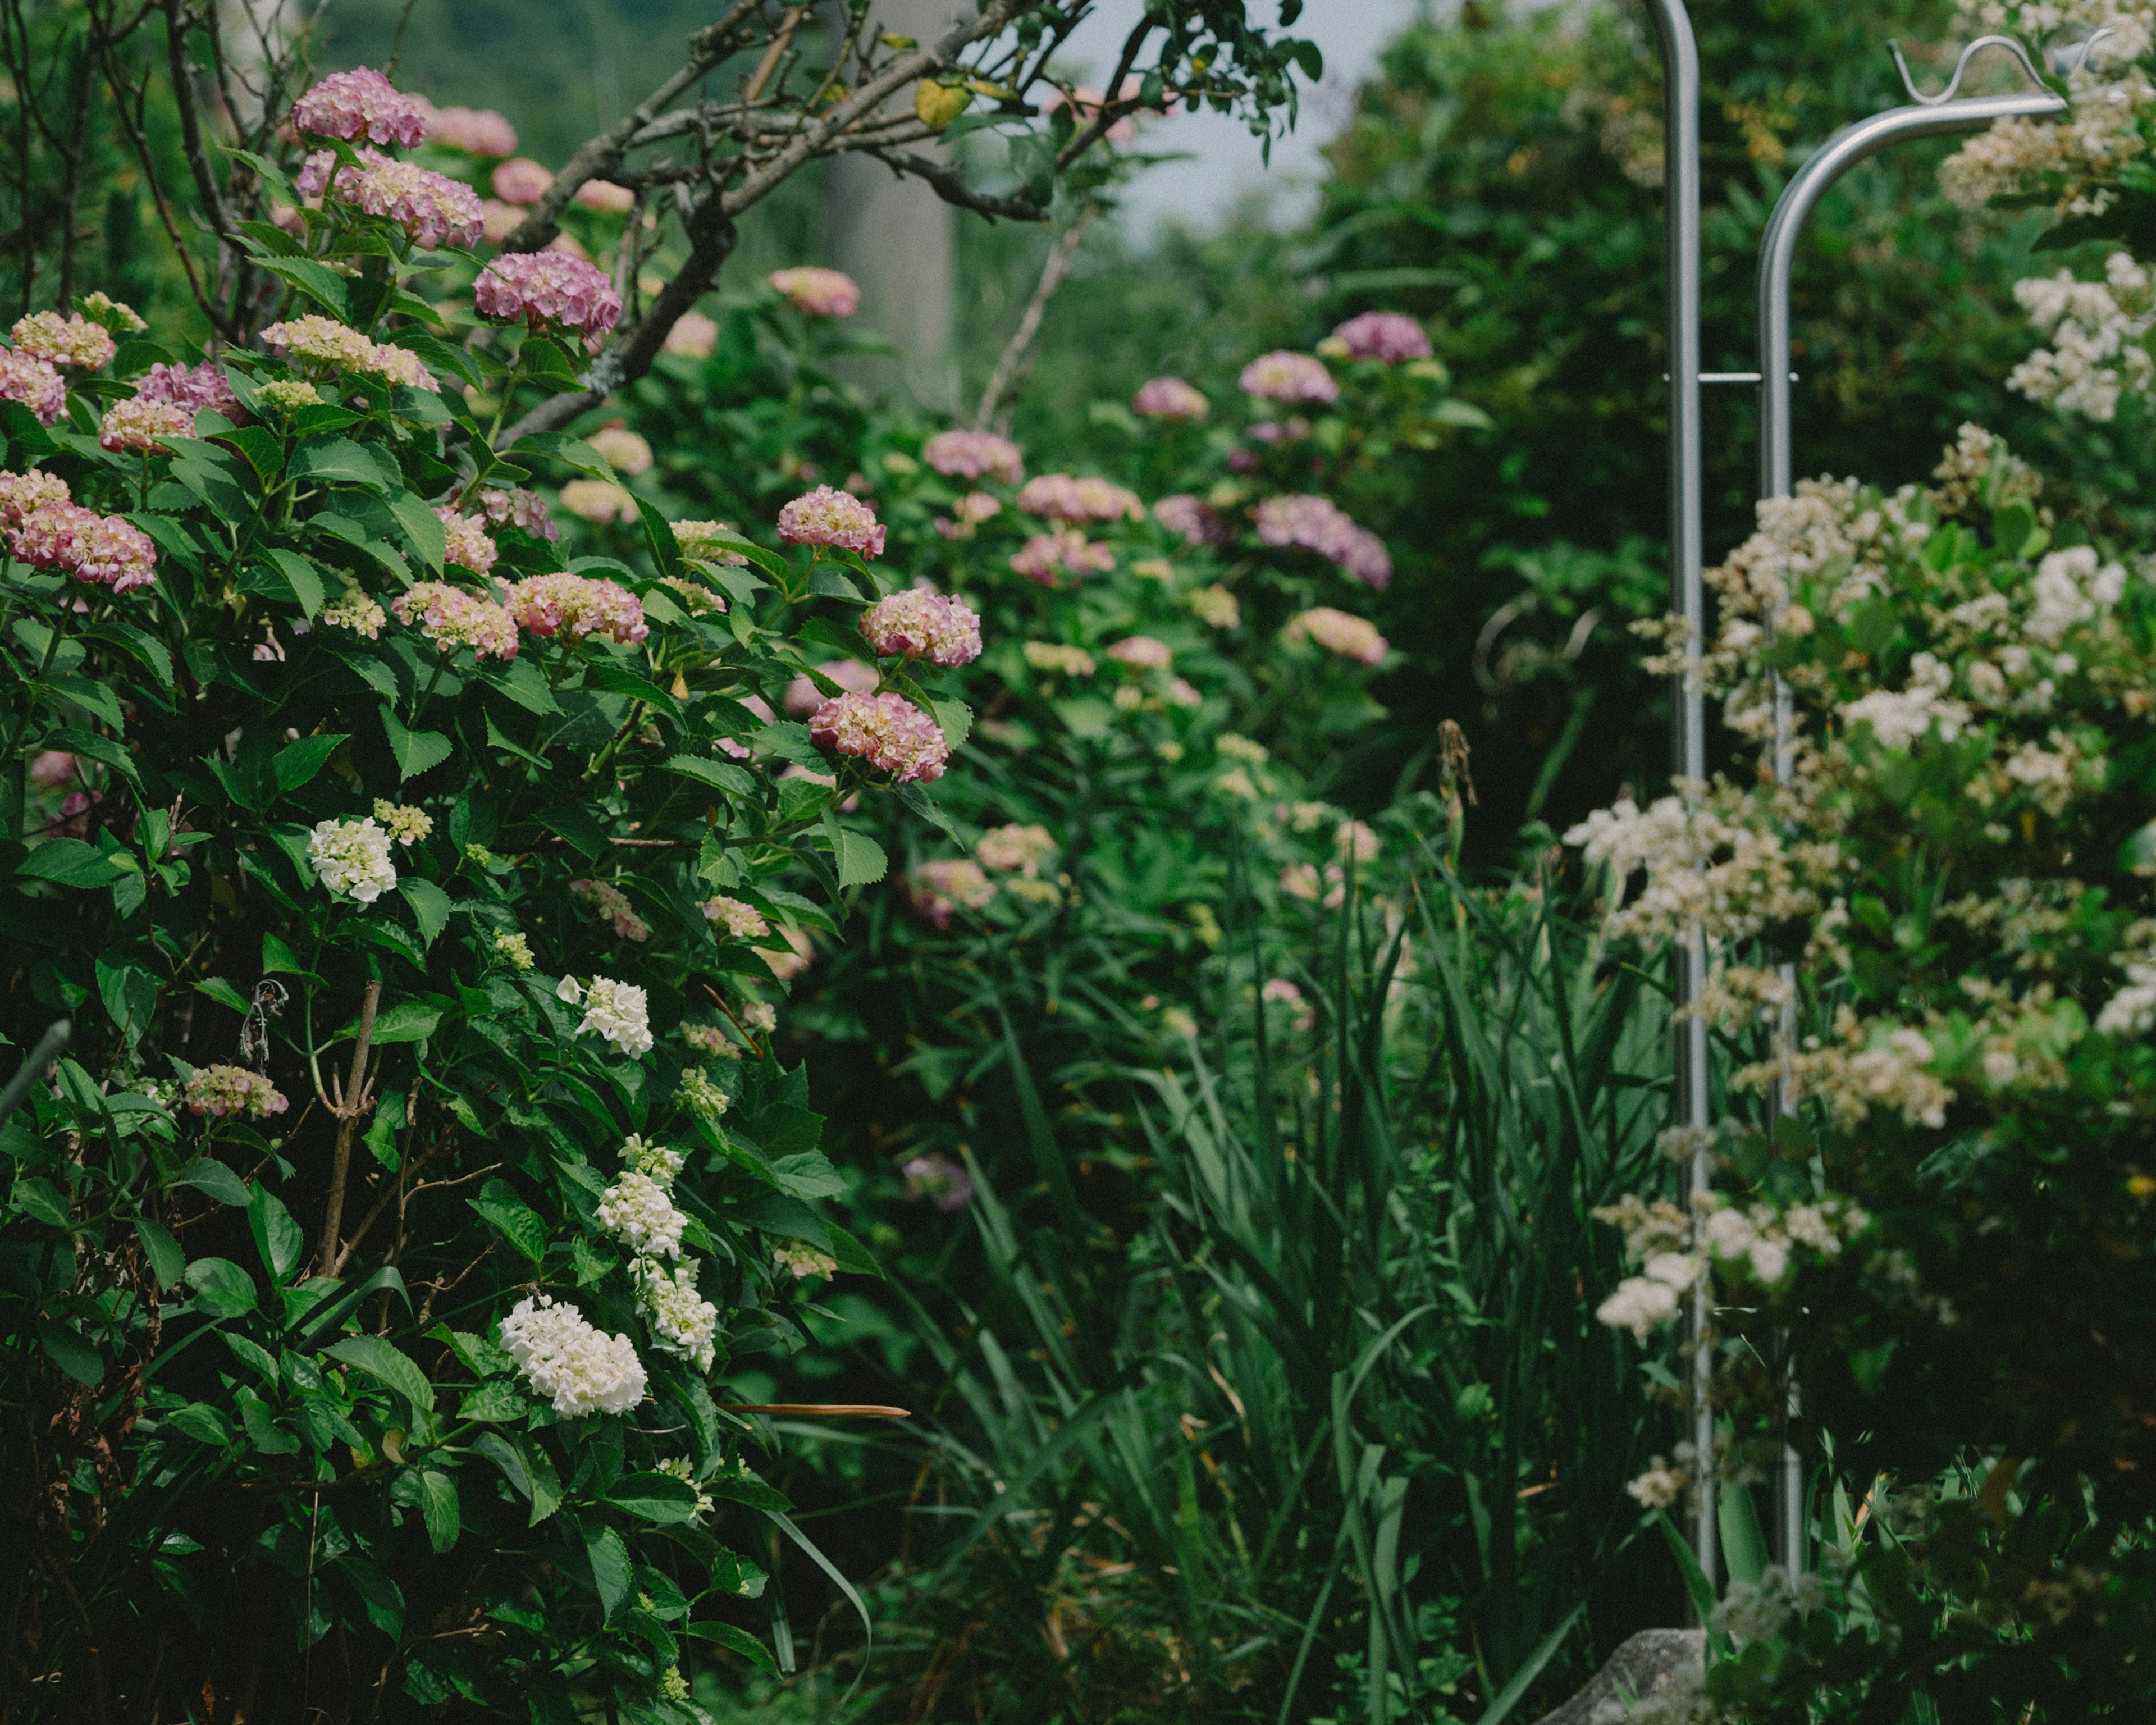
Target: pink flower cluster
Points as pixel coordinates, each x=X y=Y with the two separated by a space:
x=1169 y=398
x=477 y=131
x=64 y=341
x=361 y=104
x=1140 y=653
x=576 y=605
x=605 y=197
x=975 y=455
x=323 y=344
x=451 y=617
x=802 y=697
x=952 y=883
x=523 y=509
x=888 y=731
x=194 y=388
x=611 y=905
x=820 y=293
x=32 y=382
x=829 y=517
x=221 y=1091
x=22 y=492
x=1385 y=335
x=920 y=624
x=1339 y=632
x=140 y=423
x=540 y=288
x=1198 y=523
x=1042 y=557
x=1289 y=378
x=968 y=514
x=1319 y=524
x=465 y=541
x=520 y=181
x=106 y=549
x=1058 y=497
x=936 y=1176
x=432 y=208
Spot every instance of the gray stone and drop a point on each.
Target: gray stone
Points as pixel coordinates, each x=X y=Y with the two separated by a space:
x=1644 y=1665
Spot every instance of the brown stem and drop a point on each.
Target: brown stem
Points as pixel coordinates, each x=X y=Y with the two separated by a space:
x=350 y=1105
x=1016 y=363
x=177 y=26
x=773 y=55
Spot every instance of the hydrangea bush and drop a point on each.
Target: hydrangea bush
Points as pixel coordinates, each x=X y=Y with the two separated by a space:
x=419 y=895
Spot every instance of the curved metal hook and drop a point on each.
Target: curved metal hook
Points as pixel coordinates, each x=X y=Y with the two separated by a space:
x=1961 y=66
x=2079 y=51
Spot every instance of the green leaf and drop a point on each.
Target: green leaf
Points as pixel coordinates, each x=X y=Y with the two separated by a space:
x=808 y=1175
x=917 y=798
x=336 y=461
x=955 y=718
x=654 y=1497
x=317 y=281
x=570 y=452
x=610 y=1565
x=1743 y=1541
x=417 y=752
x=421 y=526
x=860 y=859
x=151 y=653
x=264 y=1433
x=719 y=775
x=300 y=578
x=201 y=1422
x=430 y=906
x=500 y=1399
x=206 y=1174
x=659 y=535
x=1696 y=1585
x=296 y=763
x=167 y=1262
x=71 y=1352
x=129 y=994
x=222 y=1288
x=496 y=738
x=388 y=1366
x=519 y=1223
x=734 y=1640
x=438 y=1508
x=277 y=1236
x=69 y=862
x=36 y=1196
x=407 y=1021
x=745 y=1487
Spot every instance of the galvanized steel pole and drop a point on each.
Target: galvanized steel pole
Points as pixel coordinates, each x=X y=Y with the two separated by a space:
x=1688 y=732
x=1936 y=116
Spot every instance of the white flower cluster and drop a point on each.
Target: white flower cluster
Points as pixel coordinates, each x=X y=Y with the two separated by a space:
x=1675 y=1250
x=565 y=1357
x=351 y=859
x=636 y=1210
x=685 y=1322
x=1753 y=1608
x=661 y=1166
x=2096 y=330
x=617 y=1011
x=1708 y=864
x=1898 y=719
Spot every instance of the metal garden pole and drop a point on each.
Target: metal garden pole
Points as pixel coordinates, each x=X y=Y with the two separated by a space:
x=1679 y=55
x=1923 y=117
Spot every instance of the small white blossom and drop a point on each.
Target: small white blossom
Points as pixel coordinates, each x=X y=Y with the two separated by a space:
x=636 y=1210
x=685 y=1322
x=565 y=1357
x=351 y=859
x=617 y=1011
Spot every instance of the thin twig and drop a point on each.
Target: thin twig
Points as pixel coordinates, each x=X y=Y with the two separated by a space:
x=1016 y=363
x=352 y=1101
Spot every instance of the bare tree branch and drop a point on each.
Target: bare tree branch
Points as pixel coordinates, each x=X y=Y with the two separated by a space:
x=1016 y=361
x=950 y=185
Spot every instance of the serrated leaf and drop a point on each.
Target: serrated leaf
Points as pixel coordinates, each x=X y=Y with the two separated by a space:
x=277 y=1236
x=430 y=537
x=519 y=1223
x=736 y=1640
x=499 y=1400
x=917 y=799
x=336 y=461
x=222 y=1288
x=417 y=752
x=296 y=763
x=719 y=775
x=317 y=281
x=167 y=1262
x=34 y=1195
x=300 y=578
x=955 y=718
x=860 y=859
x=439 y=1508
x=388 y=1366
x=654 y=1497
x=206 y=1174
x=611 y=1572
x=430 y=905
x=67 y=1349
x=407 y=1021
x=572 y=452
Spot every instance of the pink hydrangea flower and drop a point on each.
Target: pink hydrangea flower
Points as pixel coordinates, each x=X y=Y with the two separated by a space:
x=576 y=605
x=760 y=708
x=888 y=731
x=829 y=517
x=1197 y=522
x=1289 y=378
x=542 y=288
x=936 y=1176
x=477 y=131
x=1142 y=652
x=22 y=492
x=105 y=549
x=1169 y=398
x=1058 y=497
x=952 y=883
x=139 y=424
x=802 y=697
x=451 y=617
x=193 y=387
x=499 y=220
x=968 y=514
x=360 y=105
x=919 y=623
x=1339 y=632
x=611 y=905
x=1363 y=555
x=1067 y=549
x=64 y=341
x=32 y=382
x=1182 y=692
x=1317 y=524
x=432 y=208
x=604 y=196
x=523 y=509
x=693 y=336
x=218 y=1092
x=975 y=455
x=820 y=293
x=1271 y=431
x=520 y=180
x=1386 y=336
x=52 y=767
x=465 y=542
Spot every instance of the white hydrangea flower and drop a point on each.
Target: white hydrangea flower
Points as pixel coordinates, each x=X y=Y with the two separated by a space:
x=567 y=1358
x=617 y=1011
x=351 y=859
x=1640 y=1304
x=655 y=1162
x=701 y=1092
x=636 y=1210
x=685 y=1322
